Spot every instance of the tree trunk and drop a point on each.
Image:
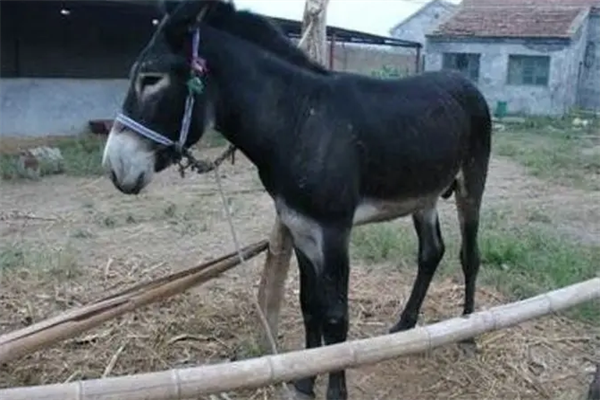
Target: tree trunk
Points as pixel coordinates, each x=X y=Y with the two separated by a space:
x=277 y=263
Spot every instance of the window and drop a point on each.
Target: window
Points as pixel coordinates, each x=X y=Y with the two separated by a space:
x=467 y=63
x=528 y=70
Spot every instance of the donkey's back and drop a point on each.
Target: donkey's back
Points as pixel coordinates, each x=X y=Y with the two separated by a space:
x=412 y=135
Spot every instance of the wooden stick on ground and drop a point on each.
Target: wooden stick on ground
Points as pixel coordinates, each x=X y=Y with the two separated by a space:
x=268 y=370
x=71 y=323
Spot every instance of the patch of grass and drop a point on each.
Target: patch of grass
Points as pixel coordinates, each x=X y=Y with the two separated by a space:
x=519 y=262
x=82 y=156
x=531 y=260
x=41 y=262
x=553 y=150
x=382 y=242
x=247 y=349
x=11 y=257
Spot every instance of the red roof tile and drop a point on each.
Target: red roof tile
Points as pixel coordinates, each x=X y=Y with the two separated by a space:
x=512 y=21
x=525 y=3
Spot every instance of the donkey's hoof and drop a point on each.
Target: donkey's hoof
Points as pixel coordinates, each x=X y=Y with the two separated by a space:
x=303 y=396
x=295 y=394
x=468 y=347
x=400 y=326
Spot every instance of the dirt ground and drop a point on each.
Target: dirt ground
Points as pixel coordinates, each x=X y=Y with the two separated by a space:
x=106 y=241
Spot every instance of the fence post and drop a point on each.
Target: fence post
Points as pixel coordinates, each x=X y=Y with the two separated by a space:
x=277 y=264
x=272 y=282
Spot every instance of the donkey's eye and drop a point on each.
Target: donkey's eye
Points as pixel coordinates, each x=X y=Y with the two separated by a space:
x=150 y=80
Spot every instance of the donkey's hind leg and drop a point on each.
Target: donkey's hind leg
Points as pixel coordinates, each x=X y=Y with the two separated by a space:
x=469 y=194
x=431 y=251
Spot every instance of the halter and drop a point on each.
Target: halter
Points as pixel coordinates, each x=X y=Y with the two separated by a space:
x=195 y=86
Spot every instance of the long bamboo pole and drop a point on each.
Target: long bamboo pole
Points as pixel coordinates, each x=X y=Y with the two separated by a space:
x=264 y=371
x=71 y=323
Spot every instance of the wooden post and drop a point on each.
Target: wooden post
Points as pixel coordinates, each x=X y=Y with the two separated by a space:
x=272 y=283
x=314 y=30
x=277 y=263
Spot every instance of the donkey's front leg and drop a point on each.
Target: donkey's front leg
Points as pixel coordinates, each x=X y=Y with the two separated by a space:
x=324 y=302
x=312 y=310
x=322 y=253
x=334 y=280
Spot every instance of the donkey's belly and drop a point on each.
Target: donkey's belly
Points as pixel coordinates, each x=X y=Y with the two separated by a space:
x=374 y=210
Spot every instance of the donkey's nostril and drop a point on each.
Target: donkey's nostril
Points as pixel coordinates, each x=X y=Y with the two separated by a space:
x=113 y=176
x=139 y=184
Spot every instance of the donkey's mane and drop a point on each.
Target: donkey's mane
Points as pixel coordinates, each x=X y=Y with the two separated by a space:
x=261 y=31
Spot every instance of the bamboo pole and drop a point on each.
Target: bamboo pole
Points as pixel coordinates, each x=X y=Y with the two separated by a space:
x=268 y=370
x=71 y=323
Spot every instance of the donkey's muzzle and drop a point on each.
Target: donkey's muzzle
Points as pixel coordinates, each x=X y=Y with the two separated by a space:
x=134 y=188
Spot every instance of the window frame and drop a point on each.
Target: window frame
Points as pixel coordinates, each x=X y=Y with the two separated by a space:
x=473 y=60
x=533 y=70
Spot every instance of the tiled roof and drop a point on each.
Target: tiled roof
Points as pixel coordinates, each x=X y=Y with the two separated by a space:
x=525 y=3
x=513 y=21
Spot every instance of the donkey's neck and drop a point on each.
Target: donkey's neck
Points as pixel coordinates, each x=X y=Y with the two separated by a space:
x=257 y=96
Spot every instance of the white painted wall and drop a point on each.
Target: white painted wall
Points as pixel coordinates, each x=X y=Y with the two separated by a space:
x=44 y=106
x=557 y=98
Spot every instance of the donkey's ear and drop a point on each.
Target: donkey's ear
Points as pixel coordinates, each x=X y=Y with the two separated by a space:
x=185 y=15
x=167 y=7
x=185 y=10
x=181 y=16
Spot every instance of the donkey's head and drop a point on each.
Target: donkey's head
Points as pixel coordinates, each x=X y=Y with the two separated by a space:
x=165 y=107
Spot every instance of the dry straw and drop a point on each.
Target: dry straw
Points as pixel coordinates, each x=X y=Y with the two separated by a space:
x=71 y=323
x=264 y=371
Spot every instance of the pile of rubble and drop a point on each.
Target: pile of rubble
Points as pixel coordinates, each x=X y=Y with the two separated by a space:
x=39 y=161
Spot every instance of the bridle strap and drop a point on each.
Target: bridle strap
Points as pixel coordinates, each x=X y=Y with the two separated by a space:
x=197 y=69
x=189 y=101
x=185 y=122
x=142 y=130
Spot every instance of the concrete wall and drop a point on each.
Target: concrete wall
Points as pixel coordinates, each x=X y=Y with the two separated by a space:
x=575 y=66
x=589 y=93
x=41 y=107
x=49 y=106
x=424 y=21
x=365 y=60
x=555 y=99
